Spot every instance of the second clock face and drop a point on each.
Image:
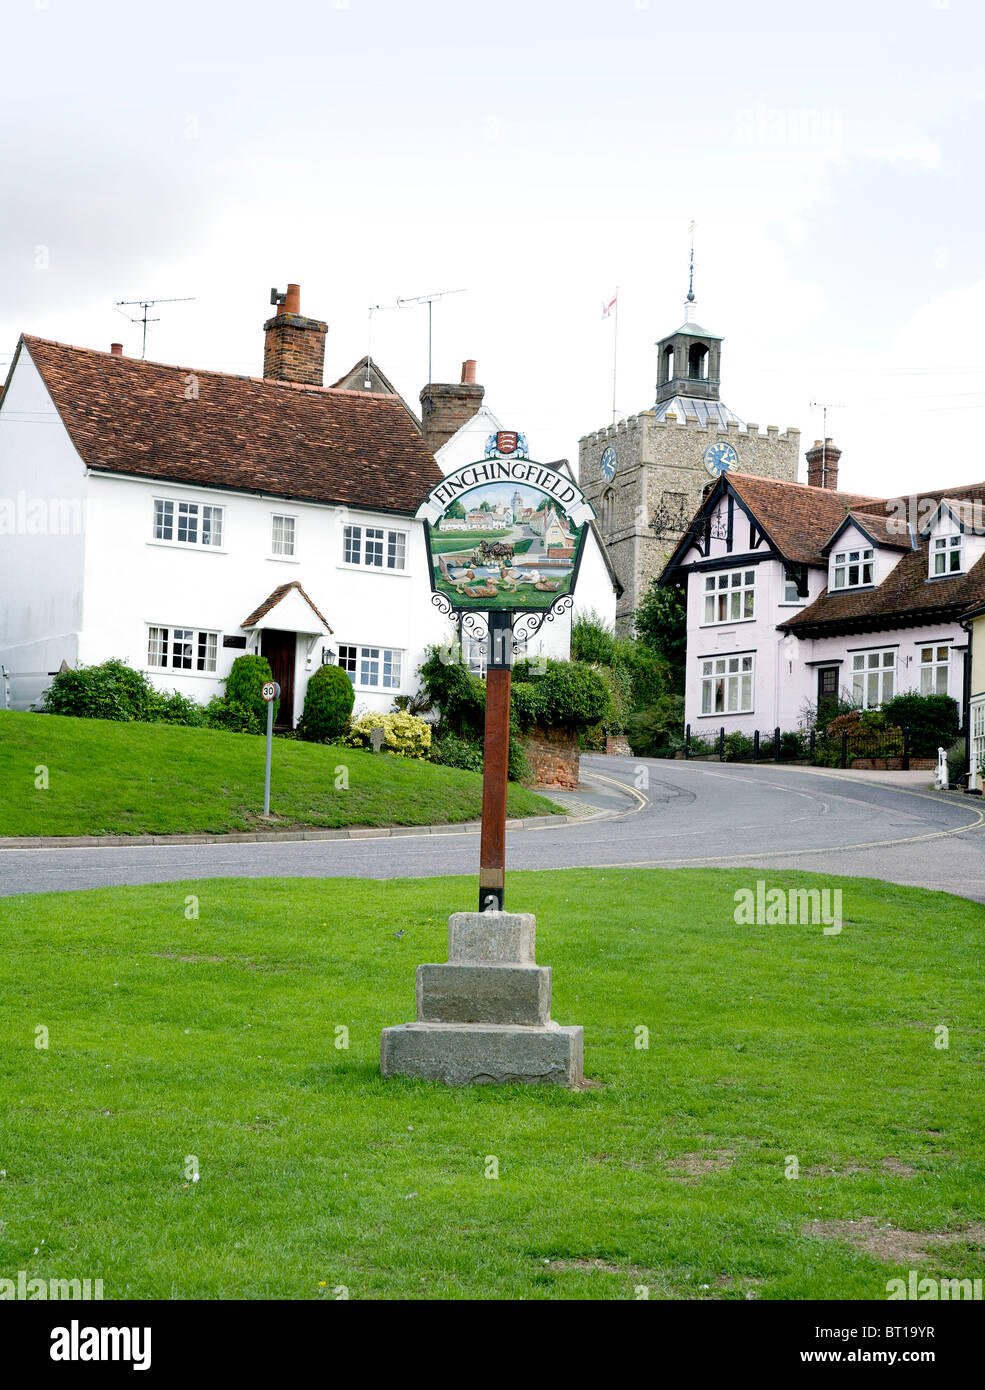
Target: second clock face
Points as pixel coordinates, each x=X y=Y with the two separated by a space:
x=607 y=463
x=720 y=458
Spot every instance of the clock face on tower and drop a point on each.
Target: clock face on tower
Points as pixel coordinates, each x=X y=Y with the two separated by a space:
x=720 y=458
x=607 y=463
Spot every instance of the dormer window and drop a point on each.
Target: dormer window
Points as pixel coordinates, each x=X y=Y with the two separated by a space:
x=852 y=569
x=945 y=555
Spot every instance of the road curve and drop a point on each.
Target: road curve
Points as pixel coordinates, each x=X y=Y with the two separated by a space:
x=769 y=816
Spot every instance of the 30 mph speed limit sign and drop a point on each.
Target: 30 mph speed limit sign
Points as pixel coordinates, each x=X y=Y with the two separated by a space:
x=270 y=690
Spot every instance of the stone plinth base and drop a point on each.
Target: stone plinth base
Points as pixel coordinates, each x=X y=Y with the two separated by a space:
x=463 y=993
x=484 y=1018
x=476 y=1054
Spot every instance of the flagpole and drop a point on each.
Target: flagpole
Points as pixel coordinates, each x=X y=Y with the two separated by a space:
x=615 y=353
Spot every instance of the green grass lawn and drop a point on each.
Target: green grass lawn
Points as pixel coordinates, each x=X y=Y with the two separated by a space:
x=215 y=1039
x=106 y=778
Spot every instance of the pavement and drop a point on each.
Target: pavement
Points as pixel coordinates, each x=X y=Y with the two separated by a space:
x=627 y=811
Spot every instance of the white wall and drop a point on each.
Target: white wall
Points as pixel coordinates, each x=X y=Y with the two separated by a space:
x=42 y=519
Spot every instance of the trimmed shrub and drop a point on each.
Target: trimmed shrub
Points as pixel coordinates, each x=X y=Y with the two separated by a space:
x=403 y=734
x=234 y=718
x=569 y=694
x=328 y=703
x=111 y=690
x=244 y=683
x=526 y=706
x=451 y=751
x=738 y=748
x=932 y=721
x=518 y=768
x=794 y=746
x=175 y=708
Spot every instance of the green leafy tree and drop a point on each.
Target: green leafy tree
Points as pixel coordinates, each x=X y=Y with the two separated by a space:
x=592 y=640
x=661 y=625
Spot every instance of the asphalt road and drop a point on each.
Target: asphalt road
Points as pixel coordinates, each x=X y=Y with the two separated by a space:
x=684 y=814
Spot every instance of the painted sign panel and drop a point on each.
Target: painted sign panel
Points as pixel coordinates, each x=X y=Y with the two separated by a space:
x=505 y=532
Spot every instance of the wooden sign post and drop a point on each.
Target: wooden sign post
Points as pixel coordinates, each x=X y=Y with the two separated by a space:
x=495 y=764
x=504 y=539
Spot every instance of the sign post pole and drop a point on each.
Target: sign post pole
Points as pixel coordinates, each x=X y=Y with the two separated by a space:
x=270 y=692
x=495 y=763
x=504 y=537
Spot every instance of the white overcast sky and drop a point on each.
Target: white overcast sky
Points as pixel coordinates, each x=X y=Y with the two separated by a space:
x=536 y=155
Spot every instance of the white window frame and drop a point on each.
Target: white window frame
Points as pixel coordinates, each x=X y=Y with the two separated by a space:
x=288 y=531
x=381 y=548
x=948 y=550
x=372 y=667
x=791 y=598
x=871 y=670
x=174 y=515
x=167 y=641
x=727 y=684
x=861 y=559
x=977 y=711
x=737 y=588
x=933 y=666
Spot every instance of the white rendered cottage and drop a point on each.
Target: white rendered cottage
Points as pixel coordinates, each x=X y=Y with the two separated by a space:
x=175 y=518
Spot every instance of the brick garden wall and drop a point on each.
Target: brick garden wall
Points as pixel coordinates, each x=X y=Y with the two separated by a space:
x=553 y=757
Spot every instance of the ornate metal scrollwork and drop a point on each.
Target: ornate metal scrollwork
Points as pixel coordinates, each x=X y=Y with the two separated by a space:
x=526 y=625
x=475 y=627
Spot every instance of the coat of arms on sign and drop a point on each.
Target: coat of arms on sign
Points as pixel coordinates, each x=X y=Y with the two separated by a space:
x=506 y=444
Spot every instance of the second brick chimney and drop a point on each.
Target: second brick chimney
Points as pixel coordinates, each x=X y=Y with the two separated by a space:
x=445 y=408
x=822 y=464
x=294 y=347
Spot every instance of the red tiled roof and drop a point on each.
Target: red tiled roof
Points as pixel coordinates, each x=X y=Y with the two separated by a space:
x=799 y=519
x=128 y=416
x=887 y=531
x=272 y=601
x=906 y=597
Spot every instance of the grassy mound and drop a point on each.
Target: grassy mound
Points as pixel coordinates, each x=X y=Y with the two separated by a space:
x=106 y=778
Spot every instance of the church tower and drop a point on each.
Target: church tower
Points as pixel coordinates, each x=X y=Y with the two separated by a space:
x=645 y=475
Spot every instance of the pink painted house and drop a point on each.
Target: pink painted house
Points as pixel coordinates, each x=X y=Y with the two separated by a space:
x=799 y=592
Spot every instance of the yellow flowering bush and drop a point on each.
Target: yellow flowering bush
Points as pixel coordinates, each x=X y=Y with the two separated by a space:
x=403 y=734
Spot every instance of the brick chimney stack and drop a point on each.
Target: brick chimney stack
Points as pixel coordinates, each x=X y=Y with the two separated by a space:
x=294 y=347
x=116 y=349
x=446 y=408
x=822 y=465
